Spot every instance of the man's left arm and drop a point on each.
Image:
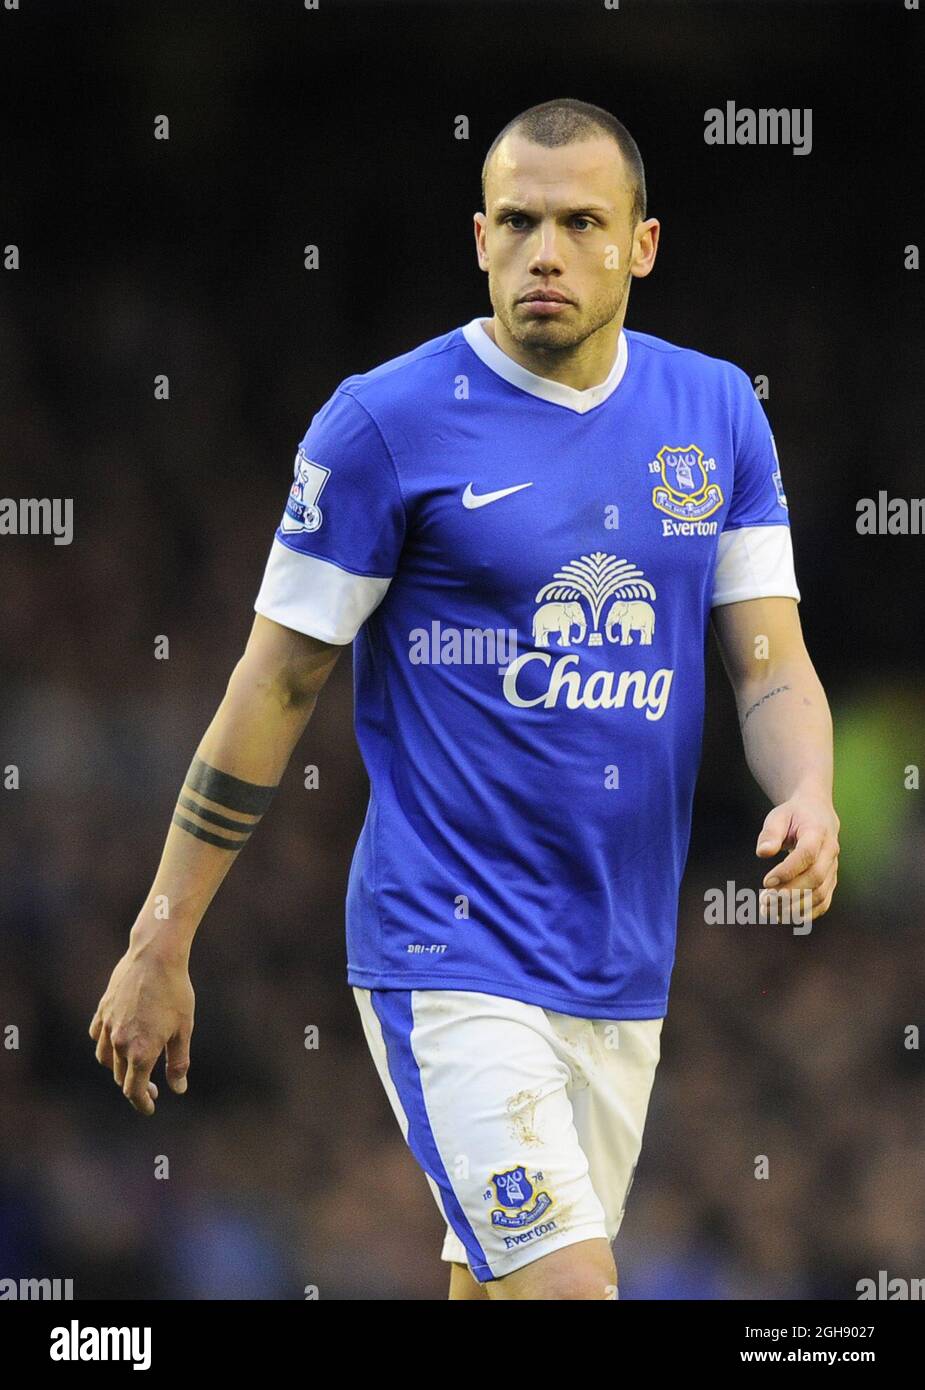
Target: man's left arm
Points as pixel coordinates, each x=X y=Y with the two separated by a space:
x=787 y=736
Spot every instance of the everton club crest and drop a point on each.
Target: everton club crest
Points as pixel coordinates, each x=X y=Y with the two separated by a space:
x=524 y=1204
x=685 y=490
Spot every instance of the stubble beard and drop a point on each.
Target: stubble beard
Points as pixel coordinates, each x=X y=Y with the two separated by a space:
x=551 y=337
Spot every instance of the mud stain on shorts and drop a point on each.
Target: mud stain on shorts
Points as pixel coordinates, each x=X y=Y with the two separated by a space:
x=521 y=1108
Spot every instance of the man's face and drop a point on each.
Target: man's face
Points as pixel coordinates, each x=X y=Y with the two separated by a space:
x=560 y=220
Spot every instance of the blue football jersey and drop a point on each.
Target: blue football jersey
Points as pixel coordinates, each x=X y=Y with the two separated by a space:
x=526 y=571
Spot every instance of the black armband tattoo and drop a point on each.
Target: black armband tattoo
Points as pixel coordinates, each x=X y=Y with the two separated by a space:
x=244 y=799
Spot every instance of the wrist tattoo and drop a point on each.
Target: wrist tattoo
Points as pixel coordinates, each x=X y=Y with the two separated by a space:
x=236 y=808
x=758 y=703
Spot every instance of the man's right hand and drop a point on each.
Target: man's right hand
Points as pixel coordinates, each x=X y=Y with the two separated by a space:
x=148 y=1003
x=147 y=1007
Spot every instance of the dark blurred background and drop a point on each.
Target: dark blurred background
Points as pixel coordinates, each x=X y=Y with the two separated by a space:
x=141 y=256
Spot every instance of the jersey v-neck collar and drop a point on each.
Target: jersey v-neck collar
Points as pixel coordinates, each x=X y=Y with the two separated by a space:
x=542 y=386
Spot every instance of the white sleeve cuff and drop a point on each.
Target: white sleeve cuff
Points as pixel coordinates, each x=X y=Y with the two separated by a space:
x=315 y=596
x=754 y=562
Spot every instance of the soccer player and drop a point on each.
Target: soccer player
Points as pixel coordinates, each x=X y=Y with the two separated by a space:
x=524 y=527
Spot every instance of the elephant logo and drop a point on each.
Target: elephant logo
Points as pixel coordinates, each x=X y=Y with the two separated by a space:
x=631 y=617
x=576 y=597
x=560 y=618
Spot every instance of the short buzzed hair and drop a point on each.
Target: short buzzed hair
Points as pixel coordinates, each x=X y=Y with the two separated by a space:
x=566 y=119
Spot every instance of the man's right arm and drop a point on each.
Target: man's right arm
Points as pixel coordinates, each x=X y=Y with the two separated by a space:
x=148 y=1005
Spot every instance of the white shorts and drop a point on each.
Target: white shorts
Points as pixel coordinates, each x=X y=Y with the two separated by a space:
x=527 y=1123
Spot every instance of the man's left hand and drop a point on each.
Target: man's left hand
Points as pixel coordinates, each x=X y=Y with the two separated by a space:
x=808 y=827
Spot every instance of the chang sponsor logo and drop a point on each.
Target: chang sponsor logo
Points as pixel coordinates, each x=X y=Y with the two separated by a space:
x=601 y=601
x=598 y=690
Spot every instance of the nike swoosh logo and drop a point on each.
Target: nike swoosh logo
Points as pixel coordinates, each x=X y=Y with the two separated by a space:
x=472 y=500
